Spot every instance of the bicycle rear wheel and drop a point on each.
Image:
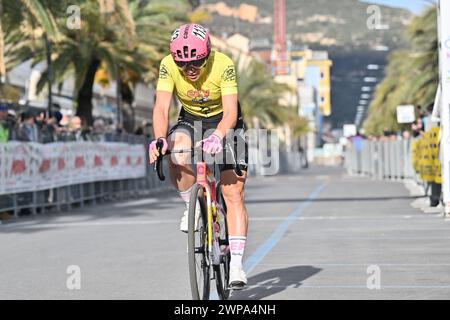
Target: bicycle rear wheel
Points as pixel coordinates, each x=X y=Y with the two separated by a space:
x=199 y=266
x=222 y=271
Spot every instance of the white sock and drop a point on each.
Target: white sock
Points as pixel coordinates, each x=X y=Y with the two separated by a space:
x=237 y=247
x=186 y=196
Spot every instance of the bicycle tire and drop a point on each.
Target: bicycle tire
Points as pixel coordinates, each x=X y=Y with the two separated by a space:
x=222 y=271
x=199 y=266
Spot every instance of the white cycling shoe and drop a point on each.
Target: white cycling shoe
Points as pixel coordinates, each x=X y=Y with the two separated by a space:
x=238 y=278
x=185 y=220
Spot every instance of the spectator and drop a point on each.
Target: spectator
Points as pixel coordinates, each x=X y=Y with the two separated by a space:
x=12 y=121
x=50 y=128
x=406 y=135
x=98 y=131
x=358 y=141
x=85 y=130
x=139 y=131
x=75 y=128
x=58 y=117
x=417 y=128
x=40 y=120
x=28 y=130
x=303 y=156
x=6 y=124
x=148 y=130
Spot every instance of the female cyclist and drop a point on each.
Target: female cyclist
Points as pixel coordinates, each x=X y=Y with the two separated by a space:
x=204 y=81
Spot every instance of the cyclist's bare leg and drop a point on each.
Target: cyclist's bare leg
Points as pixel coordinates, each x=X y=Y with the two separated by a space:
x=233 y=193
x=180 y=167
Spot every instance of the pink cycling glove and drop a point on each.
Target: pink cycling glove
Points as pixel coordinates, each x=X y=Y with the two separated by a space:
x=153 y=147
x=212 y=144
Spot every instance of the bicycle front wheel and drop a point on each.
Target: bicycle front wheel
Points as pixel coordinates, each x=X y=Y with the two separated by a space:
x=199 y=266
x=222 y=271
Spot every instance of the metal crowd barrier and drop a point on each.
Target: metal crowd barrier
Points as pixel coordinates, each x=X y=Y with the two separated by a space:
x=69 y=197
x=390 y=159
x=76 y=196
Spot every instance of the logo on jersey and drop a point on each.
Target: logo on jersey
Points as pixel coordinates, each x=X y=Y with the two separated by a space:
x=199 y=96
x=229 y=74
x=163 y=73
x=199 y=32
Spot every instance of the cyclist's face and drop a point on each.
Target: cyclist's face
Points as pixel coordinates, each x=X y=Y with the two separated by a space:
x=192 y=70
x=192 y=73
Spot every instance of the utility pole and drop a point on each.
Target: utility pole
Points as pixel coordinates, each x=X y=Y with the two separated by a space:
x=280 y=59
x=119 y=98
x=444 y=80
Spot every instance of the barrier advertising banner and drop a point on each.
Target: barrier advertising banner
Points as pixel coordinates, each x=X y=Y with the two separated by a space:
x=28 y=167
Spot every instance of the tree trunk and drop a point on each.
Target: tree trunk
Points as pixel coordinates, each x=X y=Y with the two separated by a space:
x=84 y=98
x=127 y=108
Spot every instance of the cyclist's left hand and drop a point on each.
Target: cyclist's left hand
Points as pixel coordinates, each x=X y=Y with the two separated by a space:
x=212 y=144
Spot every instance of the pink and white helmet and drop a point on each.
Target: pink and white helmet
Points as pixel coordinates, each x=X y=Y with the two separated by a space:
x=190 y=42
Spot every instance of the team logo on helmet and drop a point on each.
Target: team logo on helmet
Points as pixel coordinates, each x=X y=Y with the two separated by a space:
x=199 y=32
x=175 y=34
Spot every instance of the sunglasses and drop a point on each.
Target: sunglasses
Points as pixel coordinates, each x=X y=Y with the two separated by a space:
x=196 y=64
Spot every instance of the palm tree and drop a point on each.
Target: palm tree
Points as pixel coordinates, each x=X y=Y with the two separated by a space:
x=128 y=41
x=154 y=22
x=260 y=95
x=23 y=13
x=411 y=78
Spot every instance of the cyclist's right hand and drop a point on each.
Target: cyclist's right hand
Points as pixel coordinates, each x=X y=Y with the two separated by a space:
x=153 y=151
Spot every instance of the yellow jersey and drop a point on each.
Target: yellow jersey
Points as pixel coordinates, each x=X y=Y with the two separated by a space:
x=203 y=97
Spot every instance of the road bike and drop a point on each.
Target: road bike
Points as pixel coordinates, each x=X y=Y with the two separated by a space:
x=208 y=246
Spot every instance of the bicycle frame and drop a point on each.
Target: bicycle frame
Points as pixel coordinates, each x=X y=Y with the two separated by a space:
x=211 y=249
x=206 y=179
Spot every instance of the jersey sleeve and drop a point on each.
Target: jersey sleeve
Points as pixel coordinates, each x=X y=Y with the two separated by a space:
x=165 y=80
x=228 y=83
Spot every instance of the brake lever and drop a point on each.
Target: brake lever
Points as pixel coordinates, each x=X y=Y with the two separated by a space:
x=158 y=162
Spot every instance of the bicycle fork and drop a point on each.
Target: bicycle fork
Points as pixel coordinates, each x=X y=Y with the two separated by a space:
x=207 y=181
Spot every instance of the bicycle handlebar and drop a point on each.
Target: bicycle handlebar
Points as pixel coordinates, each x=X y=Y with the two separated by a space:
x=158 y=163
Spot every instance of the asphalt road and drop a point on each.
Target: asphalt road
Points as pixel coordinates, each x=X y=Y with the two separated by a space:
x=317 y=235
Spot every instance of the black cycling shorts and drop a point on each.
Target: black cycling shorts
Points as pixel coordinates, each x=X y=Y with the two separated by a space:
x=189 y=124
